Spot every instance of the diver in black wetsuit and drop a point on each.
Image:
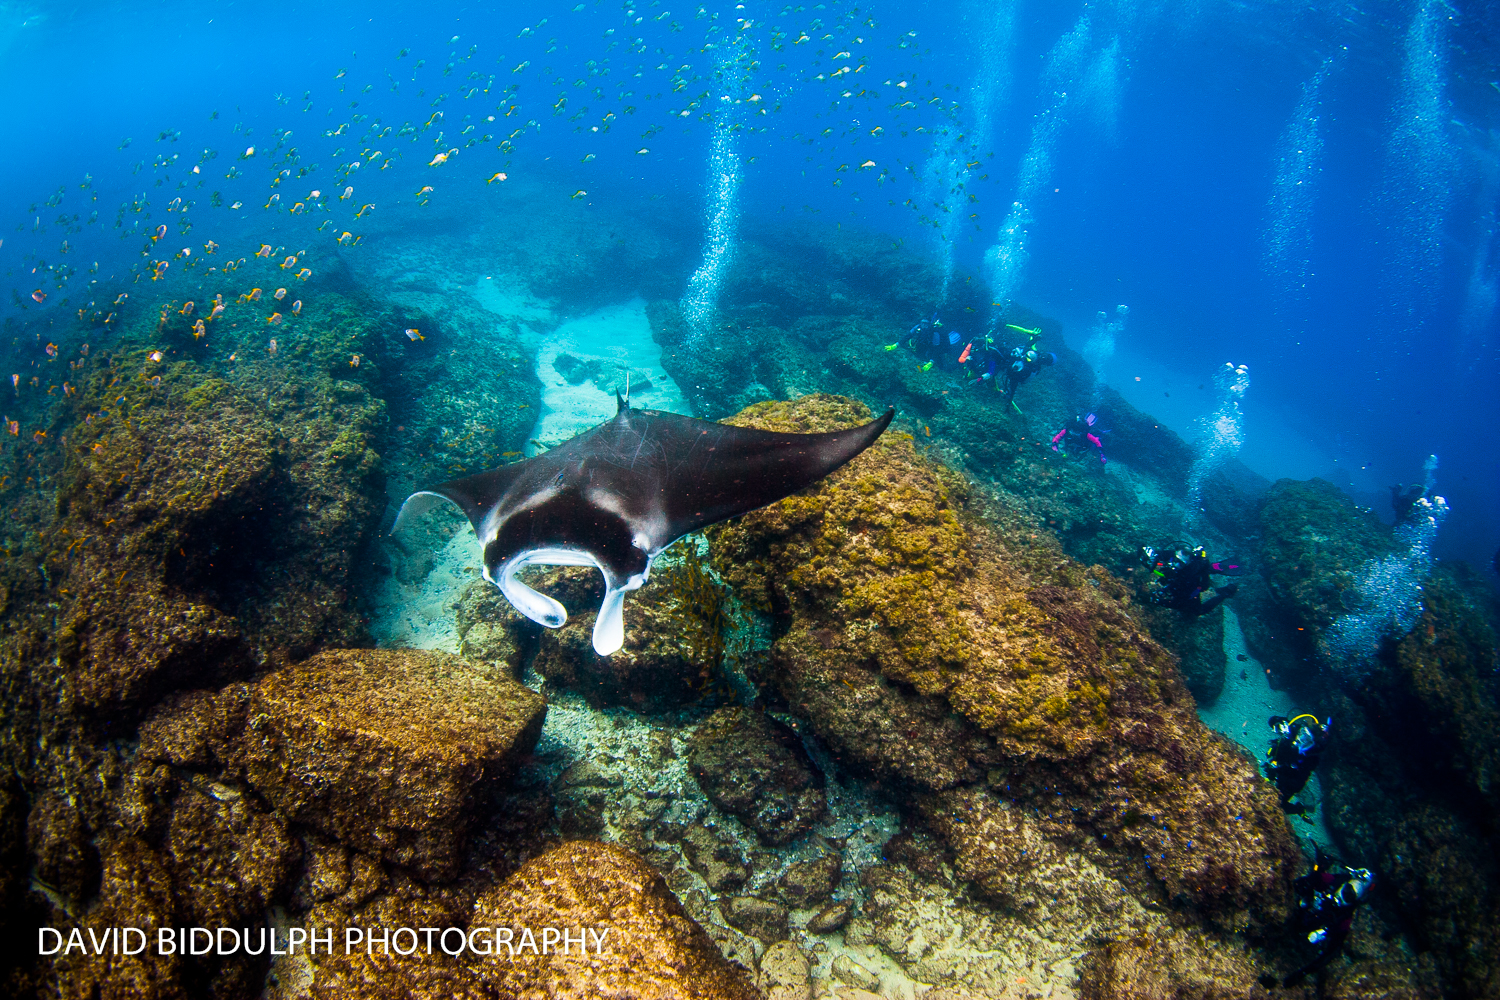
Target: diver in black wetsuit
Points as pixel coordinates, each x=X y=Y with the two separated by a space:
x=1182 y=575
x=985 y=364
x=1025 y=361
x=1404 y=499
x=1293 y=755
x=1327 y=897
x=934 y=342
x=1025 y=365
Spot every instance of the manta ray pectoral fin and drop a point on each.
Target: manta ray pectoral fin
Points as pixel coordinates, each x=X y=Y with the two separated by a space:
x=416 y=505
x=532 y=603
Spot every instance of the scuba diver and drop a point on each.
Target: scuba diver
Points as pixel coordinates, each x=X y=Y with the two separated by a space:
x=1293 y=755
x=1021 y=370
x=1327 y=897
x=1026 y=361
x=1184 y=574
x=1080 y=436
x=1404 y=499
x=933 y=342
x=984 y=363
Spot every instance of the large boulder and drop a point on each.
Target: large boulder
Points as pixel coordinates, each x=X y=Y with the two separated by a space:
x=935 y=652
x=388 y=751
x=637 y=941
x=755 y=767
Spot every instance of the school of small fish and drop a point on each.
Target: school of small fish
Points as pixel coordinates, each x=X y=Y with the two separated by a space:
x=652 y=69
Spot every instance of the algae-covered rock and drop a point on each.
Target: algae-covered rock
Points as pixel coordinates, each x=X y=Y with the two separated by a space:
x=831 y=917
x=388 y=751
x=932 y=650
x=1434 y=692
x=1428 y=845
x=809 y=883
x=846 y=970
x=760 y=918
x=1314 y=543
x=183 y=850
x=653 y=948
x=755 y=767
x=1135 y=967
x=1199 y=645
x=717 y=859
x=674 y=635
x=489 y=628
x=62 y=847
x=785 y=973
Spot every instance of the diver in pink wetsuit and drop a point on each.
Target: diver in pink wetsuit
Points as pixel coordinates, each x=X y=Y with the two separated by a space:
x=1081 y=435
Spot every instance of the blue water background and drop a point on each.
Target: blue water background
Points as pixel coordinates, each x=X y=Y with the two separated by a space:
x=1310 y=190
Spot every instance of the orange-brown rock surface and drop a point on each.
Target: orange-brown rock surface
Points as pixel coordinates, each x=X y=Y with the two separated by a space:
x=388 y=750
x=638 y=941
x=936 y=650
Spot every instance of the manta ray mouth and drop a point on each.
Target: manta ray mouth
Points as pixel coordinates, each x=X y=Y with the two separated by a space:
x=609 y=627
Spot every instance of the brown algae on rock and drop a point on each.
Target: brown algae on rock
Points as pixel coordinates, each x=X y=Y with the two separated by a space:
x=933 y=650
x=386 y=751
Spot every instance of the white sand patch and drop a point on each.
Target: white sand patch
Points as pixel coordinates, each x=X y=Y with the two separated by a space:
x=507 y=295
x=619 y=336
x=421 y=615
x=1241 y=713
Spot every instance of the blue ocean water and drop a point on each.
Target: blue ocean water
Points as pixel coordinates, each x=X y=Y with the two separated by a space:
x=1271 y=228
x=1309 y=191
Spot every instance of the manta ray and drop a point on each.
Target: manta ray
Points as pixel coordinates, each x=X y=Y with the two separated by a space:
x=615 y=496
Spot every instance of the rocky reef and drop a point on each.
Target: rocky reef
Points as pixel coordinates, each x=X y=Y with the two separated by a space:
x=934 y=652
x=911 y=732
x=1416 y=735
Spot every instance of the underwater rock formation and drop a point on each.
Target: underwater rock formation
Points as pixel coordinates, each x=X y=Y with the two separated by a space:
x=656 y=949
x=808 y=884
x=203 y=527
x=1314 y=542
x=235 y=518
x=1198 y=643
x=1416 y=729
x=490 y=629
x=387 y=751
x=674 y=634
x=755 y=767
x=934 y=652
x=650 y=947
